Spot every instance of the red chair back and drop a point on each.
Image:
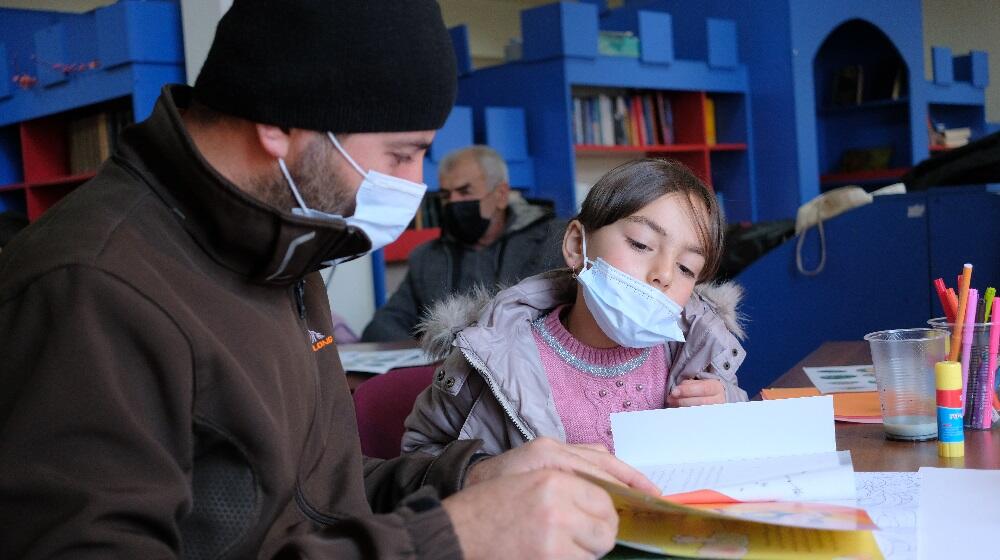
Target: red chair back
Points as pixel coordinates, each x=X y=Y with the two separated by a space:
x=382 y=404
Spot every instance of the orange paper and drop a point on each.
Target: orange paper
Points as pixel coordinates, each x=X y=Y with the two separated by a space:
x=847 y=407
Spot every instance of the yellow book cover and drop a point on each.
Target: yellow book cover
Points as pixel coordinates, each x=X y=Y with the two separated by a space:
x=660 y=526
x=710 y=137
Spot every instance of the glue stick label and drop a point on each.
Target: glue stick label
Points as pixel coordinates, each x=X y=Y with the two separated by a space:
x=949 y=416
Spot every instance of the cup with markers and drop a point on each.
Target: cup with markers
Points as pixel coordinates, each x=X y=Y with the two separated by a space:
x=973 y=343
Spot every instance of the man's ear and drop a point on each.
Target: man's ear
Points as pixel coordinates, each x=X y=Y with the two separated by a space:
x=503 y=195
x=572 y=245
x=273 y=140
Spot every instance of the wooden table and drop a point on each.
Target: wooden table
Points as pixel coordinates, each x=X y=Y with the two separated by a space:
x=870 y=450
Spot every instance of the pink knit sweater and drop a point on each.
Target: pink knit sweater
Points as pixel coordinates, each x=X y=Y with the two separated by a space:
x=589 y=384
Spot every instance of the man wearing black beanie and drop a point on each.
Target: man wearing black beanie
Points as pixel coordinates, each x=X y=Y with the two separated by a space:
x=171 y=388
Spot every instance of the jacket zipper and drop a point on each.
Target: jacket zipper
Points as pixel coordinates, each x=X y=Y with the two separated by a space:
x=305 y=507
x=480 y=367
x=300 y=298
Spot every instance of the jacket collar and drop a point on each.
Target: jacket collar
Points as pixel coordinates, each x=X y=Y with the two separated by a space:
x=238 y=231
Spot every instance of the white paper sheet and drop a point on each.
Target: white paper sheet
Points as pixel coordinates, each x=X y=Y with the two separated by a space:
x=959 y=513
x=816 y=477
x=842 y=379
x=384 y=360
x=891 y=498
x=724 y=432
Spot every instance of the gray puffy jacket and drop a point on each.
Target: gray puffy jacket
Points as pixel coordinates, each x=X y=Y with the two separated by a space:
x=492 y=385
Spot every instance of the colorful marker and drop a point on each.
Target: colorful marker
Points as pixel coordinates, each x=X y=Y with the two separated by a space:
x=991 y=371
x=991 y=292
x=963 y=299
x=951 y=433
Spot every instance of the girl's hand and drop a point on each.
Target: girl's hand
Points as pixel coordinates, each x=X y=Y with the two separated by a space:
x=693 y=392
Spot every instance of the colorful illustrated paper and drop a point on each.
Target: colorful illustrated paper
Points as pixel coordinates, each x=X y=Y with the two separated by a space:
x=653 y=525
x=842 y=379
x=383 y=360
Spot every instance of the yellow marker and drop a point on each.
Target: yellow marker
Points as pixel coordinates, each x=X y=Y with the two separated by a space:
x=951 y=432
x=991 y=292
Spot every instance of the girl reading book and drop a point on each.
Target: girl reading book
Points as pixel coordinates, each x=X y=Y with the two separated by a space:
x=631 y=324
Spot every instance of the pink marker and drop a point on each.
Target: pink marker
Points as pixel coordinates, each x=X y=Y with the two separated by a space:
x=967 y=335
x=991 y=372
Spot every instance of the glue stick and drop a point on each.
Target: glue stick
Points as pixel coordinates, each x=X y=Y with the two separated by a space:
x=951 y=434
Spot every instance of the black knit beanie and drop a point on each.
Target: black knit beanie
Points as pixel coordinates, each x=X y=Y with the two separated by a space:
x=338 y=65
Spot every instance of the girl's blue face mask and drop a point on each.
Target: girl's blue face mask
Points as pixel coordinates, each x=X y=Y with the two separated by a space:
x=629 y=311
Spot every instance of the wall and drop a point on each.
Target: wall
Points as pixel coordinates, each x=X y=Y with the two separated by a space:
x=199 y=18
x=966 y=25
x=56 y=5
x=491 y=24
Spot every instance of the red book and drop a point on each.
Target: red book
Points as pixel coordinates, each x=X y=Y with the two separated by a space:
x=638 y=119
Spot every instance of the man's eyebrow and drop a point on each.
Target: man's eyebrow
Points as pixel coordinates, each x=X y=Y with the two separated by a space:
x=414 y=144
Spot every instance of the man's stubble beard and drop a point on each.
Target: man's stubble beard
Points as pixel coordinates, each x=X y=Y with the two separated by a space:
x=319 y=180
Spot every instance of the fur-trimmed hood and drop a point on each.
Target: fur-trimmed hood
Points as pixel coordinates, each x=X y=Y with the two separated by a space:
x=449 y=316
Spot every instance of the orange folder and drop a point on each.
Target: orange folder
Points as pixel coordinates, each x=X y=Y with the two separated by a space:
x=847 y=407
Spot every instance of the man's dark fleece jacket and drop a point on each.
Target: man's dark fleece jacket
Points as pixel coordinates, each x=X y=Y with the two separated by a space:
x=170 y=388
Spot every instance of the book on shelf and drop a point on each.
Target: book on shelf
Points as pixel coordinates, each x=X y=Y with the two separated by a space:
x=607 y=127
x=710 y=135
x=618 y=43
x=649 y=120
x=849 y=85
x=578 y=120
x=956 y=137
x=941 y=136
x=93 y=138
x=634 y=119
x=666 y=118
x=621 y=120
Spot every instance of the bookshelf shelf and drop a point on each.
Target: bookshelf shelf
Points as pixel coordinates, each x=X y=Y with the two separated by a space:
x=13 y=187
x=863 y=177
x=729 y=147
x=874 y=105
x=647 y=149
x=66 y=180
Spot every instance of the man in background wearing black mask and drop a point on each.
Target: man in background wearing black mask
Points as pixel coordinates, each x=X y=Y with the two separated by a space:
x=490 y=236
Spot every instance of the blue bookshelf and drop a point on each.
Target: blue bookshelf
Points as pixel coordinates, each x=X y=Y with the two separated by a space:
x=792 y=50
x=57 y=68
x=560 y=59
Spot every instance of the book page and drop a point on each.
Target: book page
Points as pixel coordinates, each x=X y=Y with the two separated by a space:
x=722 y=432
x=891 y=498
x=382 y=361
x=664 y=527
x=958 y=513
x=814 y=477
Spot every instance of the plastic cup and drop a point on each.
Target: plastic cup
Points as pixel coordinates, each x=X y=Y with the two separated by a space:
x=904 y=374
x=978 y=391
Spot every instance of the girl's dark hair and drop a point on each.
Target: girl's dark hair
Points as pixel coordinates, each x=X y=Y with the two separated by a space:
x=628 y=188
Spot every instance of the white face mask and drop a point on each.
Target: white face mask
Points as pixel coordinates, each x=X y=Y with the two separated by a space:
x=630 y=312
x=385 y=205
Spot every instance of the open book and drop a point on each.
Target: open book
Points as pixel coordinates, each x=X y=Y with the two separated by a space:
x=769 y=470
